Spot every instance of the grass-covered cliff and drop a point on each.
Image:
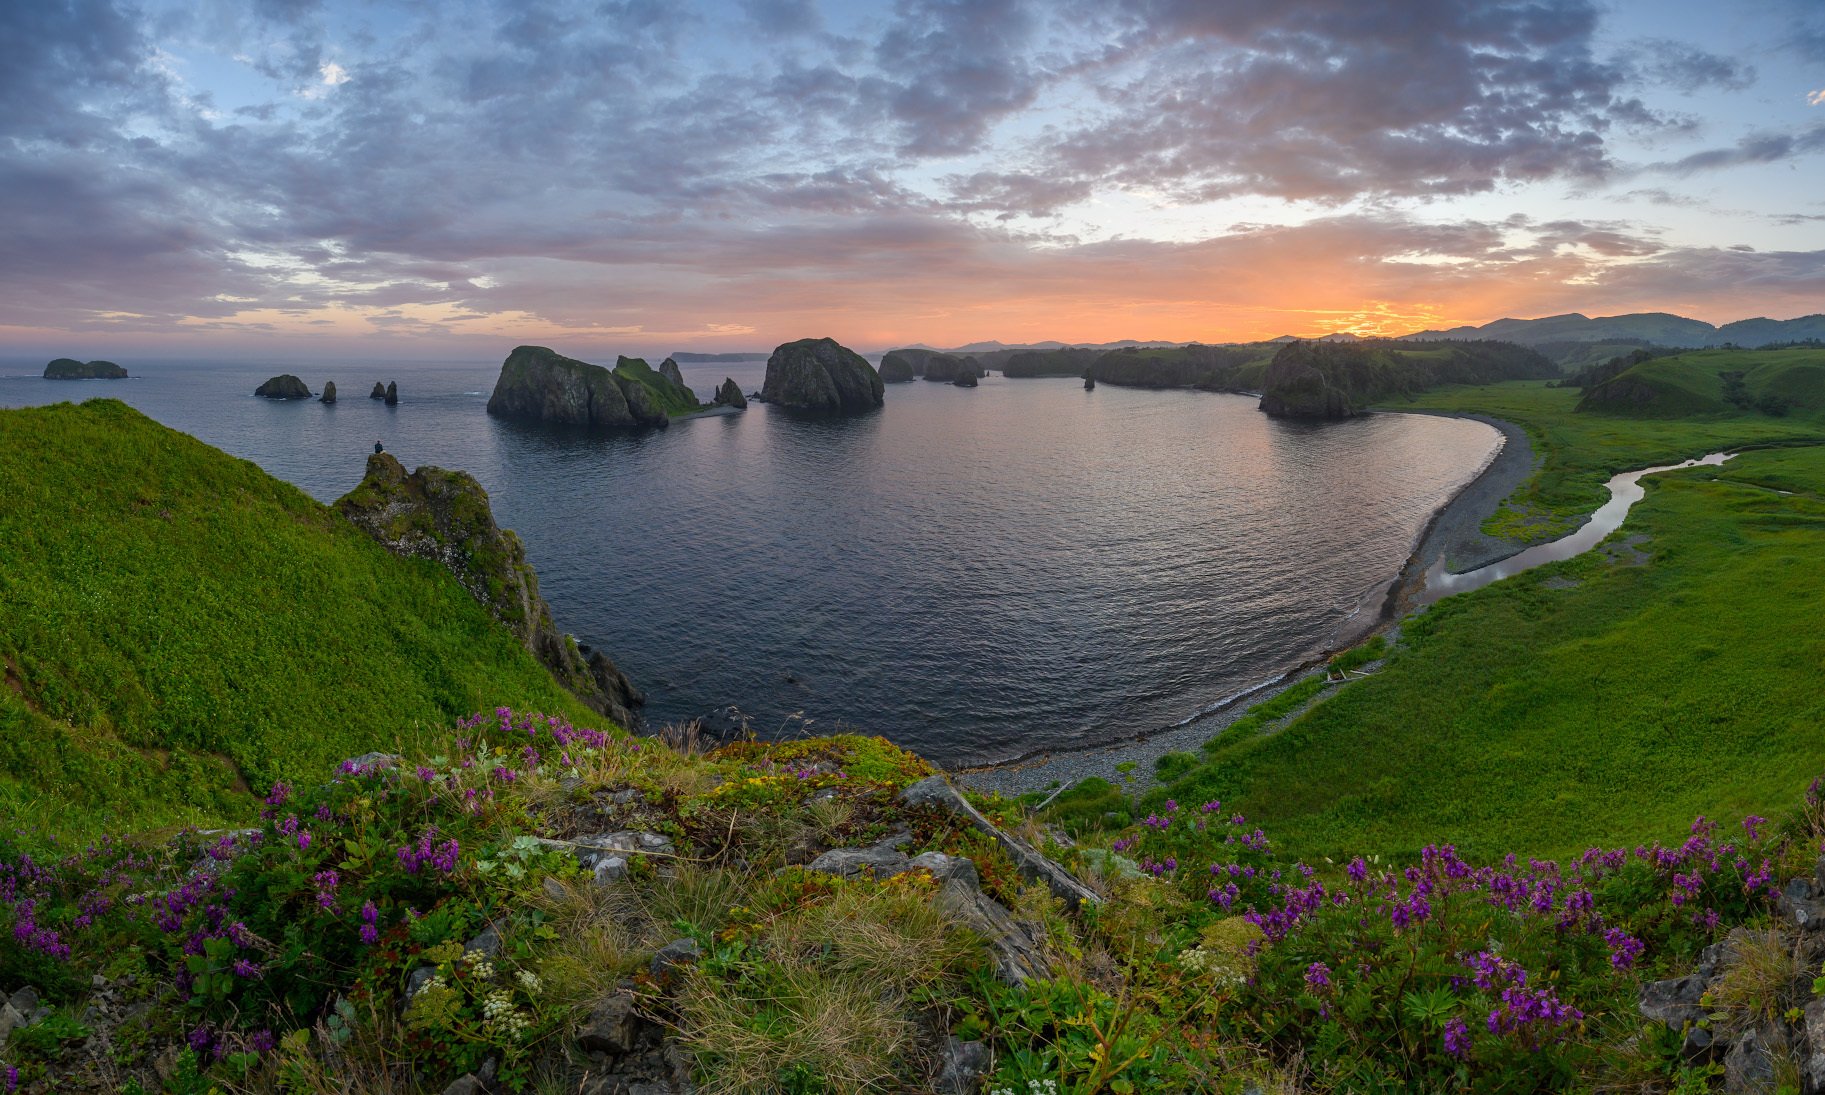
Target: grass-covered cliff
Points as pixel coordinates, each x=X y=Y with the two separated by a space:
x=177 y=626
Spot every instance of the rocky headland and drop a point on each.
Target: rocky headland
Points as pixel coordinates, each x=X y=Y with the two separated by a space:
x=817 y=374
x=445 y=516
x=68 y=368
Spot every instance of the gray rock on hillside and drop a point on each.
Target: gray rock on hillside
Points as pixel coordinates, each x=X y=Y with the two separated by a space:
x=669 y=369
x=379 y=392
x=729 y=395
x=285 y=386
x=538 y=384
x=445 y=516
x=329 y=392
x=817 y=374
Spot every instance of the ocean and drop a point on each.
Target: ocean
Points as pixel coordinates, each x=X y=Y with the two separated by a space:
x=973 y=573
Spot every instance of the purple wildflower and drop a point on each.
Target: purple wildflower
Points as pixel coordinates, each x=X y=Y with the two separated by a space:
x=1318 y=976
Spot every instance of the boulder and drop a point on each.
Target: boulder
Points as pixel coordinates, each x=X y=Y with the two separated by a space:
x=669 y=369
x=329 y=392
x=1674 y=1002
x=285 y=386
x=962 y=1068
x=379 y=392
x=880 y=861
x=1019 y=953
x=614 y=1027
x=676 y=953
x=445 y=516
x=729 y=395
x=897 y=368
x=392 y=396
x=817 y=374
x=68 y=368
x=541 y=385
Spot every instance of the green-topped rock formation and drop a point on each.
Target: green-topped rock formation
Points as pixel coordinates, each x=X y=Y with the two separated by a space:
x=444 y=516
x=817 y=374
x=538 y=384
x=68 y=368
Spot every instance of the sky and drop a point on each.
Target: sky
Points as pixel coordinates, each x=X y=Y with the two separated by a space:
x=450 y=178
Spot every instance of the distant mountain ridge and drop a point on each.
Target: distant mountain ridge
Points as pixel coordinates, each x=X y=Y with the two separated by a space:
x=1658 y=328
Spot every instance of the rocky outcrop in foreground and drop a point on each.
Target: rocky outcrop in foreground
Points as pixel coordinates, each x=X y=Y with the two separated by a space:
x=285 y=386
x=444 y=516
x=1755 y=1040
x=817 y=374
x=68 y=368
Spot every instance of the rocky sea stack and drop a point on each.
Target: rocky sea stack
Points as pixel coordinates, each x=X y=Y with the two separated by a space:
x=68 y=368
x=968 y=373
x=379 y=392
x=538 y=384
x=897 y=368
x=670 y=371
x=817 y=374
x=444 y=516
x=329 y=392
x=285 y=386
x=729 y=395
x=946 y=368
x=392 y=396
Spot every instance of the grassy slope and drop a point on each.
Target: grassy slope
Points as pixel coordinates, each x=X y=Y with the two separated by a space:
x=672 y=399
x=176 y=624
x=1529 y=718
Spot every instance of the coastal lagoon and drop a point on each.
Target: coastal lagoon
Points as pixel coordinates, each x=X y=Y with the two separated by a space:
x=974 y=573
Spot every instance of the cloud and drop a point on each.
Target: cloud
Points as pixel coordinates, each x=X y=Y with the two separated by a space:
x=1756 y=148
x=1685 y=67
x=1816 y=98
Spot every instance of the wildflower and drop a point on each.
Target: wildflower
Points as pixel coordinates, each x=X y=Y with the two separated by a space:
x=1624 y=948
x=1318 y=976
x=1457 y=1039
x=246 y=970
x=262 y=1041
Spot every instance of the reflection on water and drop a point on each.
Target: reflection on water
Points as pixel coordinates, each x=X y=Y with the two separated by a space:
x=1625 y=491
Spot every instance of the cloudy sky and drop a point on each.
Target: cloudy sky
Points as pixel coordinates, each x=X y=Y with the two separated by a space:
x=451 y=177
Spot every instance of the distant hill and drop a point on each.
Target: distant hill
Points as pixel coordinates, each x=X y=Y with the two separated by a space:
x=1777 y=383
x=685 y=357
x=1657 y=328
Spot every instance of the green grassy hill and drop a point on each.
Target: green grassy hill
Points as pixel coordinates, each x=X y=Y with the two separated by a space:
x=177 y=626
x=1716 y=382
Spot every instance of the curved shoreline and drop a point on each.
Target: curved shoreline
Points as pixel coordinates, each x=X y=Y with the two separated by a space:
x=1454 y=531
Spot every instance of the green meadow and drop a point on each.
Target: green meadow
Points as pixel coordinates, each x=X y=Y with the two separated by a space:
x=177 y=626
x=1670 y=672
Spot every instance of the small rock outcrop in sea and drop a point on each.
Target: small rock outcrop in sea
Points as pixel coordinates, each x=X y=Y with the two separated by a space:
x=68 y=368
x=817 y=374
x=443 y=515
x=329 y=392
x=967 y=374
x=729 y=395
x=897 y=368
x=1089 y=383
x=538 y=384
x=669 y=369
x=286 y=386
x=392 y=396
x=379 y=392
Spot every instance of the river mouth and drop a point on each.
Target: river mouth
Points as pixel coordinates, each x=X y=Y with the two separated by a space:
x=1625 y=490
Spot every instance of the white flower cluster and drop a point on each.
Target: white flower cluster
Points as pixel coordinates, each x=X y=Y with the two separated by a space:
x=530 y=980
x=498 y=1012
x=1215 y=963
x=479 y=965
x=1034 y=1087
x=435 y=981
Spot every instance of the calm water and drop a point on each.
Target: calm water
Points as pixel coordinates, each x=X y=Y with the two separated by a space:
x=974 y=573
